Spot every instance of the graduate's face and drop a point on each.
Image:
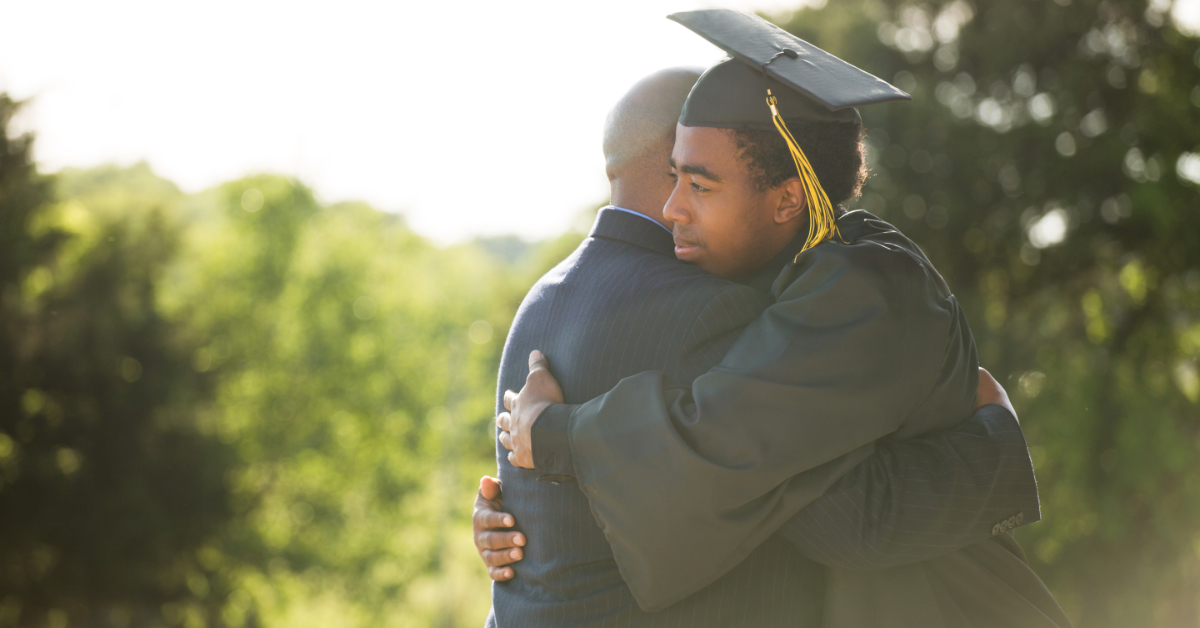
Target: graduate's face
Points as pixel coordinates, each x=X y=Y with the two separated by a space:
x=723 y=223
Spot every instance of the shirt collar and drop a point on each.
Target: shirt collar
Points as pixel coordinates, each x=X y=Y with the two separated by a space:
x=630 y=211
x=617 y=224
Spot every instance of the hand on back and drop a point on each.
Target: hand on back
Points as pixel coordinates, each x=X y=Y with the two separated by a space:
x=497 y=547
x=516 y=425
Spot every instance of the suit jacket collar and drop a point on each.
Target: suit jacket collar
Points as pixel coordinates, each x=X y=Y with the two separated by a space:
x=636 y=230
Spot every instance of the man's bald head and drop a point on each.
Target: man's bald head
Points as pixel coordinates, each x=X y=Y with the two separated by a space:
x=645 y=116
x=638 y=135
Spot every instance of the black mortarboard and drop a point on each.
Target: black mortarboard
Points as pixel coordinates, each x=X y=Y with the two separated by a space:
x=809 y=83
x=732 y=95
x=772 y=76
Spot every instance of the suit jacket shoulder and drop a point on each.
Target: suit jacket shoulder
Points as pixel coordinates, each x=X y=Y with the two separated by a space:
x=621 y=304
x=614 y=308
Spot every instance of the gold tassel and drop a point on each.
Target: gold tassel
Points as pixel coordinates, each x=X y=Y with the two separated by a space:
x=821 y=220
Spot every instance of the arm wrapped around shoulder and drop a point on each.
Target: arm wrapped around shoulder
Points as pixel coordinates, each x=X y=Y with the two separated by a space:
x=858 y=343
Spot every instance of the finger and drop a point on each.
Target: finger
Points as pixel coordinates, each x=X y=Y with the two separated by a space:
x=489 y=488
x=494 y=519
x=537 y=361
x=506 y=440
x=520 y=460
x=499 y=540
x=502 y=557
x=482 y=505
x=510 y=399
x=504 y=421
x=487 y=518
x=500 y=574
x=489 y=540
x=495 y=559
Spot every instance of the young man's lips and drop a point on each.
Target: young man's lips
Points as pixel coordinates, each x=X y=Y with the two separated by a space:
x=683 y=249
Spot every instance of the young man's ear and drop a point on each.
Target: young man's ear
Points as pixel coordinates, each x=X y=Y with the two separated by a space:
x=791 y=201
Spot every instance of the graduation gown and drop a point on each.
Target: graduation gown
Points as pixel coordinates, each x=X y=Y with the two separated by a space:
x=864 y=341
x=984 y=585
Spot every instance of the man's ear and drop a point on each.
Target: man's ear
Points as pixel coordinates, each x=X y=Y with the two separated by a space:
x=791 y=201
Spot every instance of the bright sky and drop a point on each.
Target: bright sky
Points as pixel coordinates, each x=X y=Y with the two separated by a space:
x=473 y=117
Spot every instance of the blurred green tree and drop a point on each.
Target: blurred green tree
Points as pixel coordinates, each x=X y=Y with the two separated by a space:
x=1049 y=165
x=240 y=407
x=109 y=488
x=357 y=368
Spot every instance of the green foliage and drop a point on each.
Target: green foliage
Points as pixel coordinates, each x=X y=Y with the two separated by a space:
x=1043 y=166
x=240 y=407
x=351 y=391
x=108 y=484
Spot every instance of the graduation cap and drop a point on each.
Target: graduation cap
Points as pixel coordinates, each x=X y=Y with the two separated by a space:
x=773 y=75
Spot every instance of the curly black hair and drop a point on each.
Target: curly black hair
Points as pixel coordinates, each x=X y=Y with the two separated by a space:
x=834 y=149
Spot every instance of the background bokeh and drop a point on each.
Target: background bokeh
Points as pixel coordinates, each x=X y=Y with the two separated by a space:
x=244 y=406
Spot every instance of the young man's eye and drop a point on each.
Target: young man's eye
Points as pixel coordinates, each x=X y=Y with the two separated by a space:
x=673 y=176
x=699 y=188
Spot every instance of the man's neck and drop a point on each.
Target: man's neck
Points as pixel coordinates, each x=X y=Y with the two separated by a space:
x=634 y=199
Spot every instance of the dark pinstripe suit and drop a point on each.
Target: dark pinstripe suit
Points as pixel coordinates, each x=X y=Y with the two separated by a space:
x=622 y=304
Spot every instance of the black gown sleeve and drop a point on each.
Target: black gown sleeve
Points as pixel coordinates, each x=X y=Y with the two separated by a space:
x=911 y=500
x=917 y=499
x=863 y=341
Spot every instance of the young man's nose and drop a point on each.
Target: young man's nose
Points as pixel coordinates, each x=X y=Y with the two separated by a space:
x=674 y=210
